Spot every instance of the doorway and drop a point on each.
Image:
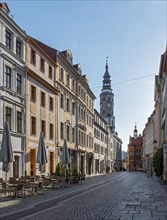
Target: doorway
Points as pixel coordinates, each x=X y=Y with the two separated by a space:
x=16 y=167
x=33 y=162
x=51 y=163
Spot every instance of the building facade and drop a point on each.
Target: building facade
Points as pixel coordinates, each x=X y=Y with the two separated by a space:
x=163 y=110
x=135 y=151
x=148 y=144
x=12 y=87
x=100 y=156
x=41 y=108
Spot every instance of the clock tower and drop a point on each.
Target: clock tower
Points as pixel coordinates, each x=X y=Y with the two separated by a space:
x=107 y=100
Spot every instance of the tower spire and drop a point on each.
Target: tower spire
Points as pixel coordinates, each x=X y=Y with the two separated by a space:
x=106 y=77
x=135 y=131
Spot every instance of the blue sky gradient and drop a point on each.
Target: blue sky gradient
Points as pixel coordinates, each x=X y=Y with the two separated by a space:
x=133 y=34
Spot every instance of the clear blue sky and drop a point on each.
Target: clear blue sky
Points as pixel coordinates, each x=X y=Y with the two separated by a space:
x=133 y=34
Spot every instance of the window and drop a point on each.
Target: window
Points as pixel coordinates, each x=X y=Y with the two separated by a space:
x=18 y=84
x=51 y=104
x=61 y=101
x=68 y=80
x=42 y=99
x=61 y=130
x=68 y=105
x=51 y=131
x=68 y=133
x=19 y=122
x=33 y=125
x=33 y=93
x=42 y=65
x=33 y=57
x=8 y=40
x=8 y=77
x=73 y=85
x=43 y=127
x=9 y=116
x=50 y=72
x=61 y=74
x=73 y=108
x=79 y=91
x=18 y=48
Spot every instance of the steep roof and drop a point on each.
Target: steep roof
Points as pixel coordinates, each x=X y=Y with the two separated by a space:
x=49 y=50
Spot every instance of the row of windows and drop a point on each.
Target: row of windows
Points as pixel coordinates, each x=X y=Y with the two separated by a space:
x=43 y=128
x=69 y=81
x=85 y=117
x=66 y=133
x=99 y=149
x=42 y=98
x=9 y=37
x=42 y=64
x=100 y=135
x=66 y=130
x=135 y=157
x=9 y=117
x=100 y=122
x=66 y=104
x=85 y=98
x=9 y=77
x=135 y=150
x=85 y=140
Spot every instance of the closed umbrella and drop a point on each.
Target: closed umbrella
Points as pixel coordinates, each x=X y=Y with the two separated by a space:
x=65 y=156
x=6 y=154
x=41 y=154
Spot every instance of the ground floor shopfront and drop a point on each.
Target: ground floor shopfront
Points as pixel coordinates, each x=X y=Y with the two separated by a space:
x=17 y=167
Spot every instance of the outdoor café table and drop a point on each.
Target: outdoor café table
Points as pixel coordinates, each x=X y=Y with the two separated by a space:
x=34 y=186
x=56 y=182
x=15 y=188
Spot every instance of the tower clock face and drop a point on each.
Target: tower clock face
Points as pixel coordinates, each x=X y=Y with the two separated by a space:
x=109 y=104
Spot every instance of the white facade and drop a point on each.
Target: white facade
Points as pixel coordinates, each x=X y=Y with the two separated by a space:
x=12 y=88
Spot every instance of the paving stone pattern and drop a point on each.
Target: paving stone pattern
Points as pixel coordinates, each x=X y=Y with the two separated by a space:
x=109 y=197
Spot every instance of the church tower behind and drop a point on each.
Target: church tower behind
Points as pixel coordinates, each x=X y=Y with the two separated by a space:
x=107 y=100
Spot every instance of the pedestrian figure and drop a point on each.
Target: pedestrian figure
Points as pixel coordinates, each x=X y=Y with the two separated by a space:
x=148 y=174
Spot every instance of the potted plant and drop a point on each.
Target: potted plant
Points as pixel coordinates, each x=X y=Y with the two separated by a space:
x=58 y=170
x=75 y=174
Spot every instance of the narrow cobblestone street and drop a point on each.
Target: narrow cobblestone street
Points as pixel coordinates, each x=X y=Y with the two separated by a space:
x=115 y=196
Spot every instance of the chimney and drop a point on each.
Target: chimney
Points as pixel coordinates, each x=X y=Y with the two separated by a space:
x=4 y=6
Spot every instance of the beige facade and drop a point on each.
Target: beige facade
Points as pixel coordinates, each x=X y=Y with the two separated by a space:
x=148 y=144
x=75 y=112
x=100 y=156
x=41 y=107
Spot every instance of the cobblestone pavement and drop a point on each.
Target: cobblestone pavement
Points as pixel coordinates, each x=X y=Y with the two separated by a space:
x=115 y=196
